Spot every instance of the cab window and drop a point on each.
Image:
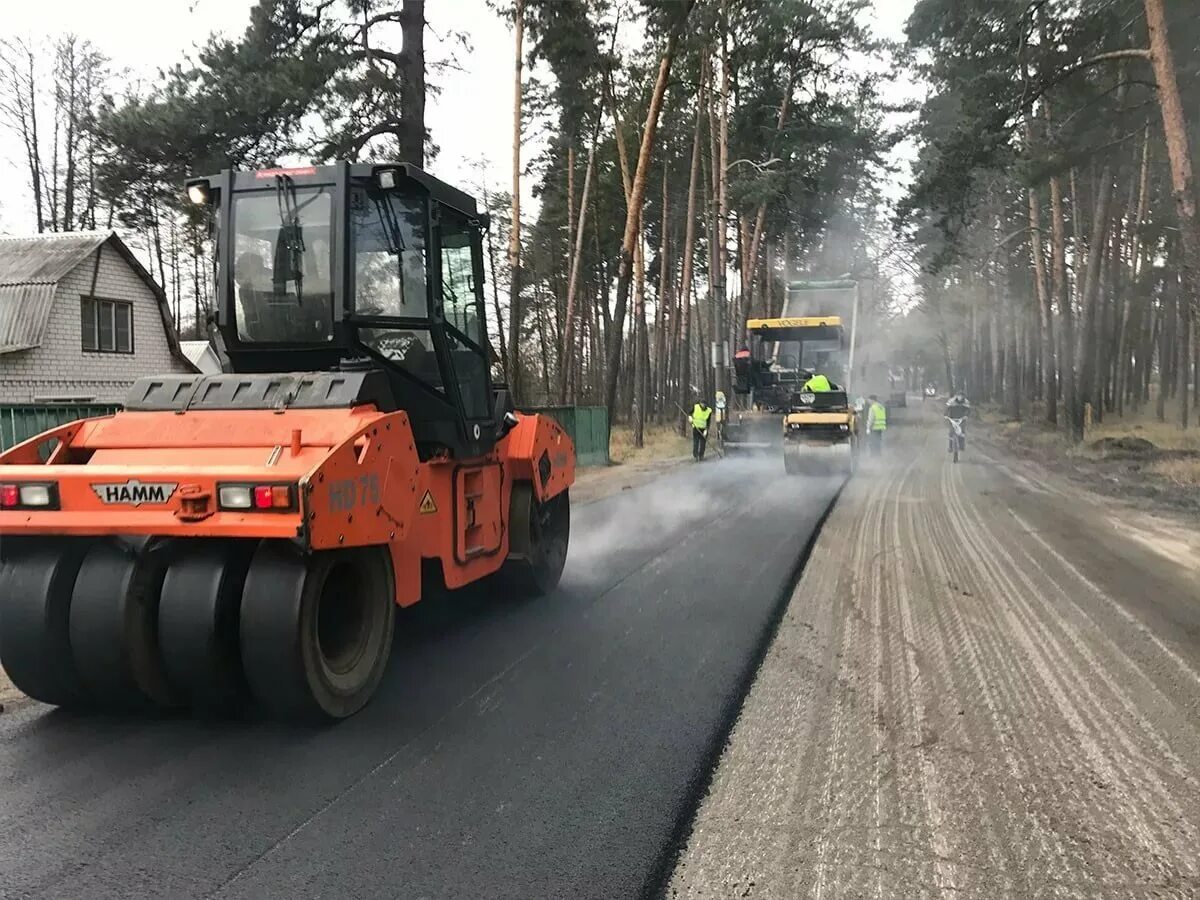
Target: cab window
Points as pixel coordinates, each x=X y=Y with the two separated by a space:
x=460 y=306
x=281 y=262
x=387 y=234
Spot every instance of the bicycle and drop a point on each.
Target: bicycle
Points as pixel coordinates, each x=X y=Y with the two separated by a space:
x=957 y=437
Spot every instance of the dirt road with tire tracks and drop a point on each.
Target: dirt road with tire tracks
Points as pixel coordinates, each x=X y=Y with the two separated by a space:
x=987 y=684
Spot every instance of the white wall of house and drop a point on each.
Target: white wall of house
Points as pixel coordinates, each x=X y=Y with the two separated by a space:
x=60 y=369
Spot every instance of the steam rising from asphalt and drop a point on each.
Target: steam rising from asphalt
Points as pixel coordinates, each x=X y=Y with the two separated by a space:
x=656 y=515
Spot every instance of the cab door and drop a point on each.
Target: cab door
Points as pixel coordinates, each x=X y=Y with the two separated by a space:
x=459 y=305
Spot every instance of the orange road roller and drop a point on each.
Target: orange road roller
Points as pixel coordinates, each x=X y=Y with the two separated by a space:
x=241 y=541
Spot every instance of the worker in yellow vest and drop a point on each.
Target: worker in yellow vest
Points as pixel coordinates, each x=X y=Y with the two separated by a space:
x=876 y=424
x=818 y=384
x=701 y=413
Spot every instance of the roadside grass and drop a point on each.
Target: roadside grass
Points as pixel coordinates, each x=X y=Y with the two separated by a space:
x=1164 y=435
x=661 y=442
x=1031 y=431
x=1183 y=472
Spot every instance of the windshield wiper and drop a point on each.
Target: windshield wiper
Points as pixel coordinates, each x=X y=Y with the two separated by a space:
x=290 y=231
x=390 y=226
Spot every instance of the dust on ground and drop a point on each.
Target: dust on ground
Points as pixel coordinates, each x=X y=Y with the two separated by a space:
x=980 y=688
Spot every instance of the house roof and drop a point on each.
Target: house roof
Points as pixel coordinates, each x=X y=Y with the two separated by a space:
x=194 y=350
x=32 y=267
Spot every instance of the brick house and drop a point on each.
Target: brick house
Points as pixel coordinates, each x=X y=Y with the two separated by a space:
x=80 y=320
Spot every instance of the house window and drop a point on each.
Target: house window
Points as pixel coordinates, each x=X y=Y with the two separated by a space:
x=106 y=325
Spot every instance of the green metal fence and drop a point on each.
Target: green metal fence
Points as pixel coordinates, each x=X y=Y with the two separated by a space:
x=587 y=425
x=588 y=428
x=21 y=421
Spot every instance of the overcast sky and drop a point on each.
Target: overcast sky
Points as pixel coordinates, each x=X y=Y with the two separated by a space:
x=471 y=119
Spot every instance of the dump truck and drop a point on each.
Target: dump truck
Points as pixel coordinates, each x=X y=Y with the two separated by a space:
x=241 y=541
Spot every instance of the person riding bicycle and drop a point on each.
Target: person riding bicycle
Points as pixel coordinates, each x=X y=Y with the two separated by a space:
x=958 y=407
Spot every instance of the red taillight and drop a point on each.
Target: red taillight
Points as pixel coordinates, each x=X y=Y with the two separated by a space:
x=256 y=497
x=10 y=496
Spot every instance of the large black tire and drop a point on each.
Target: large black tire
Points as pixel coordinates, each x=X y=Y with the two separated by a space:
x=316 y=630
x=198 y=624
x=36 y=584
x=539 y=536
x=114 y=626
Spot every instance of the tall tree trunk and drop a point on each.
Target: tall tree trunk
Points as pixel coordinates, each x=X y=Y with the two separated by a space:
x=412 y=82
x=568 y=348
x=1088 y=335
x=1045 y=300
x=1059 y=285
x=641 y=358
x=633 y=213
x=491 y=249
x=69 y=178
x=1178 y=150
x=684 y=379
x=722 y=174
x=514 y=234
x=658 y=384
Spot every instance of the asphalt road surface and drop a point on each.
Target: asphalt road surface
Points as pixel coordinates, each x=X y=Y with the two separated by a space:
x=522 y=749
x=987 y=684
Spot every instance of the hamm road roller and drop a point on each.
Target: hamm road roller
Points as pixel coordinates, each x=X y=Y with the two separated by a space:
x=242 y=540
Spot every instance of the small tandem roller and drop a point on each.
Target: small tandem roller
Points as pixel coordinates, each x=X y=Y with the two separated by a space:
x=244 y=539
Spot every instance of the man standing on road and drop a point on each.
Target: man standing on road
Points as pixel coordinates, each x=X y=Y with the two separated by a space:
x=876 y=424
x=700 y=416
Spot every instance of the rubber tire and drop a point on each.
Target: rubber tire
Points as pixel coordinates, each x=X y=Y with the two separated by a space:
x=36 y=584
x=114 y=626
x=540 y=536
x=285 y=667
x=198 y=624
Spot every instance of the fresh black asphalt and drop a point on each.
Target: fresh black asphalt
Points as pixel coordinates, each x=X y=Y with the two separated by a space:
x=517 y=748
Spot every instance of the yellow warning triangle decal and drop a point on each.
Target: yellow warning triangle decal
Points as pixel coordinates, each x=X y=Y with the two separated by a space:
x=427 y=505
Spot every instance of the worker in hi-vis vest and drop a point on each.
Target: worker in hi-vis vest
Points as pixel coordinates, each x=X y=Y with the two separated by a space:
x=701 y=413
x=876 y=424
x=818 y=384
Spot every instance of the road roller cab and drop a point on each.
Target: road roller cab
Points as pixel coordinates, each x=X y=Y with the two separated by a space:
x=247 y=536
x=781 y=356
x=819 y=427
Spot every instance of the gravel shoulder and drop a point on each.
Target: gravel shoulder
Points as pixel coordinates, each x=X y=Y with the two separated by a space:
x=987 y=684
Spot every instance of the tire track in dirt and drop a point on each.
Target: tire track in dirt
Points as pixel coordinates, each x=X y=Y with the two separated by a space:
x=982 y=730
x=1057 y=676
x=1119 y=792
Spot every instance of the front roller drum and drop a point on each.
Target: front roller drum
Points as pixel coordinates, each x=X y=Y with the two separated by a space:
x=539 y=534
x=114 y=625
x=198 y=624
x=794 y=459
x=316 y=629
x=36 y=584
